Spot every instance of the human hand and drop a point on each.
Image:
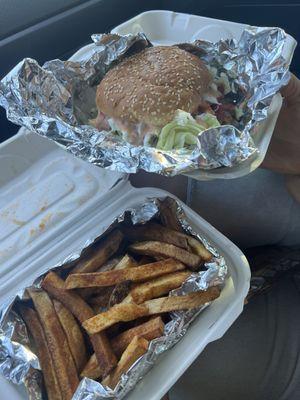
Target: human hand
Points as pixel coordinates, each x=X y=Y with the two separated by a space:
x=283 y=155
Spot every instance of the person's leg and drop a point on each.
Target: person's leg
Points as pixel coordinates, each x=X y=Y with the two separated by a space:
x=257 y=359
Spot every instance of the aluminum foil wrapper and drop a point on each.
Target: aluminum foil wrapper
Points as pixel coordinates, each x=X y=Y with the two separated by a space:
x=19 y=363
x=57 y=100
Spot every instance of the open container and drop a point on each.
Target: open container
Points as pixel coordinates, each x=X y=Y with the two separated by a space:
x=52 y=202
x=167 y=28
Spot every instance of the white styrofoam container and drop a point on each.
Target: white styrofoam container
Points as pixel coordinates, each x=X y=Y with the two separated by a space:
x=168 y=27
x=51 y=202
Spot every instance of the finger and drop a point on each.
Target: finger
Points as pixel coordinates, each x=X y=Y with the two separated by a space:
x=291 y=92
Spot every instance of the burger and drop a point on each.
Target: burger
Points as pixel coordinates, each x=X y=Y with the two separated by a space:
x=160 y=97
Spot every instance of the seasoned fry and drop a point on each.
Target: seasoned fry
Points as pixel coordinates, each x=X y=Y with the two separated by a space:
x=118 y=289
x=73 y=334
x=35 y=328
x=153 y=231
x=126 y=262
x=146 y=260
x=137 y=347
x=131 y=311
x=158 y=249
x=54 y=285
x=149 y=330
x=91 y=369
x=100 y=296
x=168 y=214
x=102 y=299
x=101 y=254
x=189 y=301
x=110 y=264
x=88 y=293
x=156 y=232
x=156 y=287
x=119 y=293
x=117 y=313
x=109 y=278
x=199 y=248
x=57 y=343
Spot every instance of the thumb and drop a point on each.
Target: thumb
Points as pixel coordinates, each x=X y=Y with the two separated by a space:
x=291 y=92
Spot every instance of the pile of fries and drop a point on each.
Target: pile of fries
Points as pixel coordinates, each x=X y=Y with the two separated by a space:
x=98 y=317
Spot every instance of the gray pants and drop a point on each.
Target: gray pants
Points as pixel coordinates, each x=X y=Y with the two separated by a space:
x=258 y=358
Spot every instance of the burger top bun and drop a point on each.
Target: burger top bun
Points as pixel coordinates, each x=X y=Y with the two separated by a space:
x=151 y=85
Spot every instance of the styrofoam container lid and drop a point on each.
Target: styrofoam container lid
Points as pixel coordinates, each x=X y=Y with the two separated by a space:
x=42 y=190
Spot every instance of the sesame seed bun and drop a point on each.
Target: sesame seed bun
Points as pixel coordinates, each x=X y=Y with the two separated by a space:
x=151 y=85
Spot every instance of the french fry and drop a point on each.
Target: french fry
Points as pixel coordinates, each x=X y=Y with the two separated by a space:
x=102 y=299
x=156 y=287
x=157 y=232
x=119 y=293
x=131 y=311
x=199 y=248
x=54 y=285
x=91 y=369
x=168 y=214
x=34 y=326
x=99 y=297
x=126 y=262
x=110 y=264
x=117 y=313
x=73 y=334
x=109 y=278
x=149 y=330
x=100 y=255
x=146 y=260
x=137 y=347
x=57 y=343
x=88 y=293
x=169 y=219
x=165 y=250
x=187 y=302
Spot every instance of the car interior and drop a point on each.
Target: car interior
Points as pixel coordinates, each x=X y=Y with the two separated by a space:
x=56 y=29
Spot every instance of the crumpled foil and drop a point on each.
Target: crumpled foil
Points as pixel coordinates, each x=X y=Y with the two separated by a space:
x=19 y=364
x=58 y=100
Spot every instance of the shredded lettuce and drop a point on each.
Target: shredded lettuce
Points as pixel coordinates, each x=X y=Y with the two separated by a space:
x=183 y=130
x=209 y=119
